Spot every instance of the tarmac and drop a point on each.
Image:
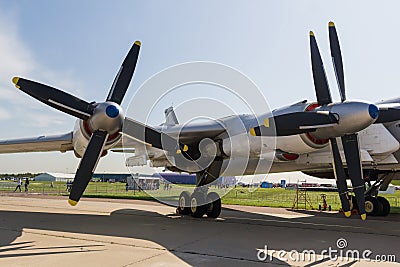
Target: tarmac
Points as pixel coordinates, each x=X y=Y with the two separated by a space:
x=46 y=231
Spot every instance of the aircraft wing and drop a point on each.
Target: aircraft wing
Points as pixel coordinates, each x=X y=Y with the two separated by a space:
x=42 y=143
x=192 y=133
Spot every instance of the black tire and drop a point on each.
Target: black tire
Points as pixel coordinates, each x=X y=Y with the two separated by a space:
x=372 y=206
x=385 y=206
x=184 y=203
x=197 y=205
x=214 y=205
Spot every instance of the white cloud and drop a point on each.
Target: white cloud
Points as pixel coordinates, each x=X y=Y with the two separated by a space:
x=17 y=59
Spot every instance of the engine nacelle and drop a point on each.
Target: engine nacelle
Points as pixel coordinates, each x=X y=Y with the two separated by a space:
x=81 y=136
x=353 y=116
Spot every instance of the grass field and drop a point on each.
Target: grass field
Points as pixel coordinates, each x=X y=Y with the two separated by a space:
x=270 y=197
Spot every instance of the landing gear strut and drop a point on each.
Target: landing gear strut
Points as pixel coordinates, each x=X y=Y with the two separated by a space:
x=202 y=202
x=375 y=205
x=198 y=204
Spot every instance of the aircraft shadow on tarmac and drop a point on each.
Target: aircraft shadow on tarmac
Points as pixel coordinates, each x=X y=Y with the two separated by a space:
x=235 y=237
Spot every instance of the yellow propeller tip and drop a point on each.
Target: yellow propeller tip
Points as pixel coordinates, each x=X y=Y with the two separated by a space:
x=331 y=24
x=185 y=148
x=311 y=33
x=72 y=202
x=252 y=132
x=15 y=81
x=363 y=217
x=138 y=43
x=347 y=214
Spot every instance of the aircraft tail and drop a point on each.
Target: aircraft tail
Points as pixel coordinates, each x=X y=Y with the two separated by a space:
x=170 y=117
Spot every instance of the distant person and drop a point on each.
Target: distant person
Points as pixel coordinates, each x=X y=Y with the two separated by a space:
x=68 y=184
x=126 y=186
x=19 y=185
x=26 y=184
x=51 y=184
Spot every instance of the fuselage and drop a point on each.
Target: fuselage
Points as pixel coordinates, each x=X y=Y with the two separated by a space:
x=245 y=154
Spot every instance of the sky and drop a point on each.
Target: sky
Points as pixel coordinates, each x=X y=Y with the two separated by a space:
x=78 y=46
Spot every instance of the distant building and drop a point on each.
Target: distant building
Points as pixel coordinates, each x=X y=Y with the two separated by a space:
x=177 y=178
x=112 y=177
x=64 y=177
x=55 y=177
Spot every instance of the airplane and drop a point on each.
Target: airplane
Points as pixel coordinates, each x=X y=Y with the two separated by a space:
x=308 y=135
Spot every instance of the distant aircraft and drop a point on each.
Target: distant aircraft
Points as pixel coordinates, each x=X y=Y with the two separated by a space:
x=303 y=133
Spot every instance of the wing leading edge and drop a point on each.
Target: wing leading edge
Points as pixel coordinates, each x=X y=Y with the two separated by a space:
x=42 y=143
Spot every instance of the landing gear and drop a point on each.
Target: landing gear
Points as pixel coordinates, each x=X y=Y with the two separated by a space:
x=385 y=206
x=373 y=207
x=201 y=201
x=214 y=205
x=184 y=200
x=376 y=205
x=197 y=204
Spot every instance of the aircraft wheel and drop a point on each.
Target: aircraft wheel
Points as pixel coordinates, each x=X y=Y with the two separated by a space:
x=372 y=206
x=385 y=206
x=197 y=205
x=214 y=205
x=184 y=203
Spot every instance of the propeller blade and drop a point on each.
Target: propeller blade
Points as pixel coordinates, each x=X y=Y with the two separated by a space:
x=87 y=165
x=388 y=113
x=124 y=75
x=337 y=59
x=340 y=177
x=55 y=98
x=352 y=153
x=294 y=123
x=155 y=138
x=320 y=81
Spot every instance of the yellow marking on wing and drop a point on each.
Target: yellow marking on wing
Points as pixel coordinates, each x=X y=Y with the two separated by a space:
x=266 y=122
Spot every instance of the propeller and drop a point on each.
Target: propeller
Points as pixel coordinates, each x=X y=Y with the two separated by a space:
x=336 y=55
x=55 y=98
x=294 y=123
x=388 y=113
x=147 y=134
x=104 y=118
x=349 y=141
